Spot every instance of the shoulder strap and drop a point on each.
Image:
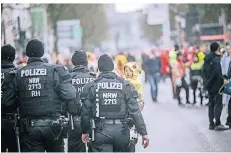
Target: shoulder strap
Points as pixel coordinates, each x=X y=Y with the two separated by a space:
x=62 y=72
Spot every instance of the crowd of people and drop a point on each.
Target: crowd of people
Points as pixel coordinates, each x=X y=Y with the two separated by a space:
x=209 y=73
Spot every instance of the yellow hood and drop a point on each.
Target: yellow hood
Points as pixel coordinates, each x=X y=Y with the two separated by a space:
x=135 y=67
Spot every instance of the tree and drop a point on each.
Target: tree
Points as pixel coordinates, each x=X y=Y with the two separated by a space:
x=210 y=12
x=93 y=21
x=92 y=18
x=54 y=11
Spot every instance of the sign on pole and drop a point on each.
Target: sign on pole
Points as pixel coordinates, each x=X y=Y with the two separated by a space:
x=69 y=34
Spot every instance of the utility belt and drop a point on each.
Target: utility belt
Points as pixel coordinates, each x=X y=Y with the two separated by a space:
x=9 y=118
x=76 y=118
x=73 y=119
x=61 y=122
x=128 y=121
x=8 y=115
x=42 y=122
x=113 y=121
x=99 y=122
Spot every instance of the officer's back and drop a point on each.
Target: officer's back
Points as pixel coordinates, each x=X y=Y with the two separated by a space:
x=8 y=98
x=108 y=100
x=44 y=91
x=80 y=76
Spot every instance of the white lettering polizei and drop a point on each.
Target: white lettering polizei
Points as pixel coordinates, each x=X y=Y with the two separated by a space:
x=110 y=85
x=33 y=72
x=81 y=80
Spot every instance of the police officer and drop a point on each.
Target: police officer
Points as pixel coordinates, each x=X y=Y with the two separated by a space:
x=109 y=101
x=80 y=76
x=44 y=91
x=7 y=99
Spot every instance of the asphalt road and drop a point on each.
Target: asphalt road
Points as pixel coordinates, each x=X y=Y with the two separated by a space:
x=176 y=129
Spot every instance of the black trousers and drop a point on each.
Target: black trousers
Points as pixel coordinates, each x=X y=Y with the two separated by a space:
x=111 y=138
x=215 y=108
x=8 y=136
x=75 y=143
x=194 y=86
x=186 y=88
x=42 y=138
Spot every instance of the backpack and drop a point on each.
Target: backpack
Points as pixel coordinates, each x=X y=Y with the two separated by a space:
x=206 y=70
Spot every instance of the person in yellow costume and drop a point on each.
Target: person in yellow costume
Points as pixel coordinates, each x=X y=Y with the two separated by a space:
x=120 y=61
x=132 y=72
x=92 y=62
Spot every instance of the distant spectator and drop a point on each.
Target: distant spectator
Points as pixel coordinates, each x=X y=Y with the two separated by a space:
x=154 y=71
x=131 y=58
x=213 y=81
x=178 y=77
x=165 y=69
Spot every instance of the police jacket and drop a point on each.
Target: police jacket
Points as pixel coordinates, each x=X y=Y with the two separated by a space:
x=8 y=100
x=81 y=75
x=44 y=90
x=110 y=97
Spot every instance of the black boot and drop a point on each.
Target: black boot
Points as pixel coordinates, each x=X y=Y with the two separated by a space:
x=228 y=122
x=211 y=126
x=180 y=103
x=201 y=101
x=188 y=102
x=194 y=102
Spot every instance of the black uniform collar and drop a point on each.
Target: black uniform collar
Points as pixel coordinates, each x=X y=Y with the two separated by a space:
x=35 y=59
x=107 y=75
x=6 y=64
x=81 y=68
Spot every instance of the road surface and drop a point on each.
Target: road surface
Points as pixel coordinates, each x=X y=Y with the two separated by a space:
x=174 y=129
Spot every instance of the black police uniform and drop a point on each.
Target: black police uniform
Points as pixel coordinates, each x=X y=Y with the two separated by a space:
x=110 y=100
x=9 y=107
x=8 y=104
x=80 y=76
x=44 y=90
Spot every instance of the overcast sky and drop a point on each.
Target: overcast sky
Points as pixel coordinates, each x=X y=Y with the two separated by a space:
x=126 y=7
